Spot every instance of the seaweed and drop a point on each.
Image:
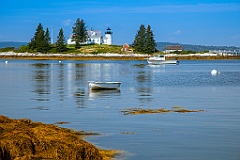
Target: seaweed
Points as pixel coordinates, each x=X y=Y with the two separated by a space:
x=24 y=139
x=134 y=111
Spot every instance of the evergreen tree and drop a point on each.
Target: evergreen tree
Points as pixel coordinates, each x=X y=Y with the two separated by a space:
x=60 y=44
x=144 y=40
x=79 y=32
x=37 y=37
x=139 y=41
x=41 y=40
x=150 y=42
x=47 y=41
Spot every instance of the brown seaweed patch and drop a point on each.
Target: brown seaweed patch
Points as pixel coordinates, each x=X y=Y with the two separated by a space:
x=61 y=122
x=127 y=132
x=24 y=139
x=109 y=154
x=134 y=111
x=40 y=108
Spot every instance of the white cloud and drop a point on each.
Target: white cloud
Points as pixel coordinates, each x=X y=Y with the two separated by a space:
x=211 y=7
x=174 y=34
x=172 y=8
x=67 y=22
x=175 y=8
x=177 y=32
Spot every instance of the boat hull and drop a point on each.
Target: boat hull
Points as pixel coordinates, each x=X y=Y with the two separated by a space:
x=156 y=62
x=104 y=85
x=161 y=59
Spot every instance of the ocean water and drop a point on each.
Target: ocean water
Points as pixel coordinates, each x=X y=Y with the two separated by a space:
x=49 y=92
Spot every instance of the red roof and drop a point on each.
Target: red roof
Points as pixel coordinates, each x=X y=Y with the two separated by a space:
x=125 y=45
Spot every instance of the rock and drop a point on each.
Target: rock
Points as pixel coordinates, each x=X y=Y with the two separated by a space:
x=24 y=139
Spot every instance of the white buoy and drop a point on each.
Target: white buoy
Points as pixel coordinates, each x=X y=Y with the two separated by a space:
x=6 y=62
x=59 y=61
x=214 y=72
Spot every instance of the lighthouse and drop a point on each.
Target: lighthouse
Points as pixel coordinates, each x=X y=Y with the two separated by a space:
x=108 y=36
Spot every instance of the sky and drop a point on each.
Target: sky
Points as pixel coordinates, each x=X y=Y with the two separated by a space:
x=200 y=22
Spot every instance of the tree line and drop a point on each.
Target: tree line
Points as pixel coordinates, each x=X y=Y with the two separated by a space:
x=41 y=42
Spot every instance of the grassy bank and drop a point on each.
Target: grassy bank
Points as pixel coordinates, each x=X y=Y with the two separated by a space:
x=24 y=139
x=84 y=49
x=96 y=49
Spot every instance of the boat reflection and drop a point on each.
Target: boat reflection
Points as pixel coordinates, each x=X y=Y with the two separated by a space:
x=103 y=93
x=157 y=68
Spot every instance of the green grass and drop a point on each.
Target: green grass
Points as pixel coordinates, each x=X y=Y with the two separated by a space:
x=85 y=49
x=96 y=49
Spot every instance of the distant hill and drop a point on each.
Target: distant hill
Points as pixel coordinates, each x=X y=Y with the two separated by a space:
x=12 y=44
x=161 y=46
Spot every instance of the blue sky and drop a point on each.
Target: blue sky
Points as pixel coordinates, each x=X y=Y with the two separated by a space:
x=205 y=22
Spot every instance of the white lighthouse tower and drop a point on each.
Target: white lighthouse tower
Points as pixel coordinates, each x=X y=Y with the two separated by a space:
x=108 y=35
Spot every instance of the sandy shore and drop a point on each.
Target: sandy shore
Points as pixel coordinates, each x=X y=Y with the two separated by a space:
x=108 y=56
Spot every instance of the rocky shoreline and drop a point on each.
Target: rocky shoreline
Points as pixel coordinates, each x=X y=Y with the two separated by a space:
x=49 y=56
x=108 y=56
x=24 y=139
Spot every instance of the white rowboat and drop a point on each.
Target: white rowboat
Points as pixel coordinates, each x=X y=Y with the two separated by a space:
x=103 y=85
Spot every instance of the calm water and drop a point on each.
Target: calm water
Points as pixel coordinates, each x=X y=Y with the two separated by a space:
x=50 y=92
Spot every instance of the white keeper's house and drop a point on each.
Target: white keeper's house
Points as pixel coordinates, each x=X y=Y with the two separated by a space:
x=95 y=37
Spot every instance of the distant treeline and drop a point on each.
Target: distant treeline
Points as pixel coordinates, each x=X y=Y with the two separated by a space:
x=161 y=46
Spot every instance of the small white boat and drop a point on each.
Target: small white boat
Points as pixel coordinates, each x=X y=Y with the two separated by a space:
x=161 y=59
x=103 y=85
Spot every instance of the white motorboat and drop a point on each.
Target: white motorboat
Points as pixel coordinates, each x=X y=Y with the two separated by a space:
x=161 y=59
x=94 y=85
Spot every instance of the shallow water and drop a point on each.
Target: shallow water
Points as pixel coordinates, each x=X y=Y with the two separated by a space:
x=49 y=91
